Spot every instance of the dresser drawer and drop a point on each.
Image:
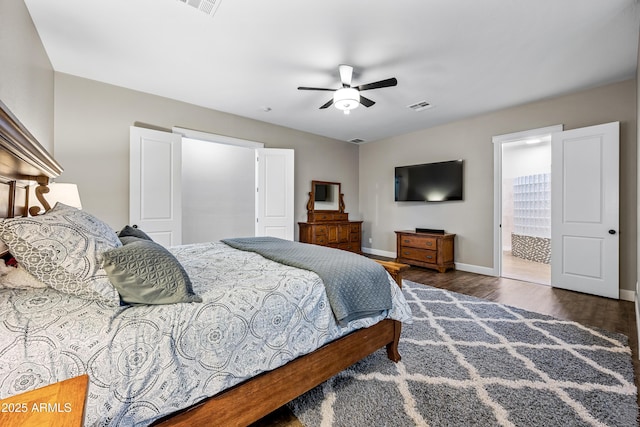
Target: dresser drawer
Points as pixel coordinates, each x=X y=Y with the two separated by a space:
x=319 y=230
x=323 y=217
x=352 y=247
x=320 y=239
x=424 y=255
x=420 y=242
x=327 y=216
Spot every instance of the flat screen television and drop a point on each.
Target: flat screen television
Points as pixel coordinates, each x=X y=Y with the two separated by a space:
x=430 y=182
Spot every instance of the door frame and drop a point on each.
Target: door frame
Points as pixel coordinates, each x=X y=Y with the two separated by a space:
x=498 y=142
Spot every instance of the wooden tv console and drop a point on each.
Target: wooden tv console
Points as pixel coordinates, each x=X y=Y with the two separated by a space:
x=430 y=250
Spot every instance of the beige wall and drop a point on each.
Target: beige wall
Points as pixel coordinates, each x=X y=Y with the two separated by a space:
x=470 y=139
x=26 y=75
x=92 y=122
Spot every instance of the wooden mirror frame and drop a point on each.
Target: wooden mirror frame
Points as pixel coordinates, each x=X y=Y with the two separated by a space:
x=312 y=197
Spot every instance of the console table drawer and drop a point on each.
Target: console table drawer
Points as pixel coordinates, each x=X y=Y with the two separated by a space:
x=420 y=242
x=424 y=255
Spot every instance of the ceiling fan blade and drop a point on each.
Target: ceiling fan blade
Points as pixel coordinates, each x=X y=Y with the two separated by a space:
x=346 y=73
x=327 y=105
x=366 y=101
x=315 y=88
x=377 y=85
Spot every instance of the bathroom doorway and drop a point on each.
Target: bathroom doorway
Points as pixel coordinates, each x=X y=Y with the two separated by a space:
x=524 y=208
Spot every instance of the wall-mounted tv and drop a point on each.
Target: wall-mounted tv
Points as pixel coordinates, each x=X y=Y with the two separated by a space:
x=430 y=182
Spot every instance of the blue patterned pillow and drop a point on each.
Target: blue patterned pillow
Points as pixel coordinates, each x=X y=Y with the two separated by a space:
x=144 y=272
x=63 y=249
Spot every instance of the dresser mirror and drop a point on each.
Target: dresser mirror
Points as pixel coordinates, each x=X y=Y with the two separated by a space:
x=325 y=196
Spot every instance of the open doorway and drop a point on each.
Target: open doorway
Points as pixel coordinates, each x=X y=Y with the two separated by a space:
x=526 y=210
x=523 y=205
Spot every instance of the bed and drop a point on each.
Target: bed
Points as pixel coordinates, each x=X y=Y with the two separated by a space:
x=234 y=352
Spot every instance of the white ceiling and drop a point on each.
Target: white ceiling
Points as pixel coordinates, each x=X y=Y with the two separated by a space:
x=465 y=57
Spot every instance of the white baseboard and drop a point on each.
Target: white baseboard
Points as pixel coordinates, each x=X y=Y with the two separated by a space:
x=627 y=295
x=379 y=252
x=487 y=271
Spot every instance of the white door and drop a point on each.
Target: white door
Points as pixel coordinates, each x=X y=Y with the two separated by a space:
x=585 y=204
x=155 y=201
x=274 y=195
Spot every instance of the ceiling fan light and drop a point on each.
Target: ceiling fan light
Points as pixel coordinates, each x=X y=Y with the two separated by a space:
x=346 y=99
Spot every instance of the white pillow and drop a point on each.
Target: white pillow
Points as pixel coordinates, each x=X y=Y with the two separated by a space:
x=63 y=248
x=17 y=278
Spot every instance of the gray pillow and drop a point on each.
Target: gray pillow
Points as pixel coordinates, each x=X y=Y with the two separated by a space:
x=144 y=272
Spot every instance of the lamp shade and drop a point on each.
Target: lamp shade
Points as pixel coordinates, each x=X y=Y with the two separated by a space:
x=346 y=99
x=58 y=192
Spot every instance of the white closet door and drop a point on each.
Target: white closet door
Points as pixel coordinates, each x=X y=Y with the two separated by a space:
x=274 y=195
x=155 y=200
x=585 y=205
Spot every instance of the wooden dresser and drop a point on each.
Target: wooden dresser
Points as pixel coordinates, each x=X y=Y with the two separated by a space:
x=327 y=222
x=332 y=229
x=425 y=249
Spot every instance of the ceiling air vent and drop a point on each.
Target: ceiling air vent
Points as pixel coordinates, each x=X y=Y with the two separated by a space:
x=207 y=6
x=420 y=106
x=356 y=140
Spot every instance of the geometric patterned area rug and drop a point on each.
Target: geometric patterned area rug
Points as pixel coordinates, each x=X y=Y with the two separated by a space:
x=471 y=362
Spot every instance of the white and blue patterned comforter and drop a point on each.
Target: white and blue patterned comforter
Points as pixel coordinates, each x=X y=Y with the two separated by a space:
x=145 y=362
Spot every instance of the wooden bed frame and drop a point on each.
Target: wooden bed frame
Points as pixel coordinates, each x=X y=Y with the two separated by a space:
x=23 y=161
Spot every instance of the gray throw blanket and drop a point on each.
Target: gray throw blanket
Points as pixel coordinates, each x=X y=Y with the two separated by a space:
x=356 y=286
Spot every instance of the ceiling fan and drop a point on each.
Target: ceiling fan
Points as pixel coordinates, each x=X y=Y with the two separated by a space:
x=347 y=98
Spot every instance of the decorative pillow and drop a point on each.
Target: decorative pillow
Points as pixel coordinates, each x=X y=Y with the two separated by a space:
x=63 y=248
x=144 y=272
x=17 y=278
x=129 y=231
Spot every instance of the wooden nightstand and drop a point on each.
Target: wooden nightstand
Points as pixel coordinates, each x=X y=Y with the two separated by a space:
x=60 y=404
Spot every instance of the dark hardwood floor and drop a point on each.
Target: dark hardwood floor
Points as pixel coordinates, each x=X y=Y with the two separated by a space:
x=605 y=313
x=612 y=315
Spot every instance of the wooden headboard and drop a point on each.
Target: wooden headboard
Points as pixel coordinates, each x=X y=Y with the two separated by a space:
x=23 y=161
